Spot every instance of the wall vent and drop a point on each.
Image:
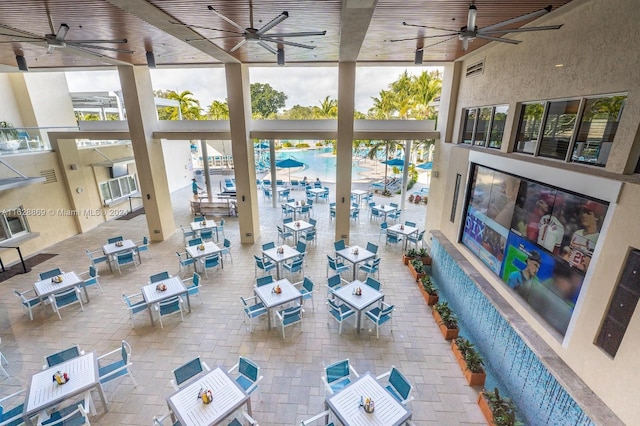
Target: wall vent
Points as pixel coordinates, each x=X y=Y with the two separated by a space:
x=475 y=69
x=49 y=175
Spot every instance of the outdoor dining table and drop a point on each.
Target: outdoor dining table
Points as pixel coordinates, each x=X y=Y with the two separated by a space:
x=209 y=249
x=346 y=404
x=355 y=255
x=270 y=299
x=384 y=209
x=47 y=287
x=297 y=227
x=208 y=224
x=403 y=230
x=152 y=295
x=295 y=206
x=316 y=192
x=358 y=193
x=228 y=396
x=110 y=250
x=368 y=297
x=44 y=392
x=288 y=252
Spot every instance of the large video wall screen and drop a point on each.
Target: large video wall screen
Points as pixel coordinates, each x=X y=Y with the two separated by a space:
x=538 y=239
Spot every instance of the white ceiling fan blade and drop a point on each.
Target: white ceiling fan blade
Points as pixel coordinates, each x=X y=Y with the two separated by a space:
x=526 y=17
x=206 y=28
x=62 y=32
x=21 y=38
x=211 y=38
x=288 y=43
x=521 y=30
x=238 y=46
x=111 y=49
x=302 y=34
x=115 y=41
x=465 y=44
x=220 y=15
x=425 y=37
x=471 y=18
x=440 y=42
x=427 y=27
x=502 y=40
x=87 y=53
x=275 y=21
x=50 y=49
x=269 y=48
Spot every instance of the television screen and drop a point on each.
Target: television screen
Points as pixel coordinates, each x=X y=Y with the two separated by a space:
x=118 y=170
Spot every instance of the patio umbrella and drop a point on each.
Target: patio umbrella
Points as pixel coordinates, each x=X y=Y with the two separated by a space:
x=289 y=163
x=395 y=162
x=425 y=166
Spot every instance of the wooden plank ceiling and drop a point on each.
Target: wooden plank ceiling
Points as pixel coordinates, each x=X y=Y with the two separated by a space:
x=159 y=26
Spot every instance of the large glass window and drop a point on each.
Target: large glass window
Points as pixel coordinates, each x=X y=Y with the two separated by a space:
x=497 y=126
x=529 y=128
x=13 y=223
x=597 y=130
x=469 y=123
x=482 y=124
x=558 y=130
x=121 y=187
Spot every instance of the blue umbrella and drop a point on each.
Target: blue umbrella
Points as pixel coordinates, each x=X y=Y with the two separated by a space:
x=425 y=166
x=289 y=163
x=394 y=162
x=262 y=145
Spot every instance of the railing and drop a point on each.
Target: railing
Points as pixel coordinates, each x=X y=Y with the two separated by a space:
x=18 y=140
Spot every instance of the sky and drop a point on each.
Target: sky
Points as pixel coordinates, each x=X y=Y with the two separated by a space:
x=305 y=86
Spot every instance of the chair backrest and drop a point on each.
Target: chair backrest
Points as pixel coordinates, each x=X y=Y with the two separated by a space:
x=187 y=371
x=287 y=220
x=50 y=273
x=170 y=305
x=159 y=277
x=372 y=248
x=248 y=369
x=126 y=257
x=211 y=261
x=339 y=245
x=92 y=272
x=301 y=246
x=307 y=284
x=62 y=356
x=409 y=223
x=310 y=235
x=421 y=235
x=332 y=263
x=115 y=239
x=334 y=281
x=198 y=219
x=194 y=242
x=206 y=234
x=337 y=370
x=269 y=245
x=313 y=222
x=66 y=297
x=399 y=383
x=227 y=243
x=267 y=279
x=394 y=205
x=373 y=283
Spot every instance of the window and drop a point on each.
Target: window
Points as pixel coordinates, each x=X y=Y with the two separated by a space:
x=559 y=127
x=456 y=192
x=13 y=223
x=529 y=128
x=484 y=124
x=115 y=189
x=597 y=130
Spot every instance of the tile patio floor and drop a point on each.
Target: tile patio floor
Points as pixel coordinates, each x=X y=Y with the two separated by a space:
x=292 y=389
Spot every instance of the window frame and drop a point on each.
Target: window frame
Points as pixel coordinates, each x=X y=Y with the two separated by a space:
x=121 y=184
x=488 y=130
x=21 y=214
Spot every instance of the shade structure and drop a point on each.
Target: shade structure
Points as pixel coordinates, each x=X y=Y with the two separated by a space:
x=289 y=163
x=425 y=166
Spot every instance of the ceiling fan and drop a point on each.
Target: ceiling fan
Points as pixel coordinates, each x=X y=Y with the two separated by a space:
x=258 y=35
x=470 y=32
x=58 y=40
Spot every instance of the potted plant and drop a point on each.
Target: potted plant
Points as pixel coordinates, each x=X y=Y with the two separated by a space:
x=417 y=269
x=410 y=254
x=429 y=291
x=470 y=361
x=446 y=320
x=497 y=410
x=423 y=254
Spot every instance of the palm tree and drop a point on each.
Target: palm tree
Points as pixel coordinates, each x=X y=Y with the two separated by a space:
x=328 y=108
x=426 y=87
x=387 y=145
x=189 y=106
x=218 y=111
x=383 y=106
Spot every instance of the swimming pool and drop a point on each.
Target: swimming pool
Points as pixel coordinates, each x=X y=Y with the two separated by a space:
x=319 y=165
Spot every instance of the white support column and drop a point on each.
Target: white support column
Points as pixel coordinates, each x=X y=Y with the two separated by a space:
x=405 y=176
x=344 y=143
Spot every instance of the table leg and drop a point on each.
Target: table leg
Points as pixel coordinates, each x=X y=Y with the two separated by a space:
x=326 y=417
x=86 y=294
x=150 y=308
x=188 y=301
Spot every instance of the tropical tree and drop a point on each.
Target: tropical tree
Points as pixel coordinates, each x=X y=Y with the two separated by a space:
x=218 y=110
x=425 y=87
x=328 y=108
x=298 y=112
x=265 y=100
x=387 y=145
x=384 y=106
x=189 y=106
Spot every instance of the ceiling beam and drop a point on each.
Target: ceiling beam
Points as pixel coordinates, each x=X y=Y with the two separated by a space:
x=354 y=23
x=149 y=13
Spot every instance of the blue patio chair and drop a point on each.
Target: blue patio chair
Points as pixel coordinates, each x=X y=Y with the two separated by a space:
x=301 y=247
x=73 y=415
x=339 y=245
x=253 y=308
x=265 y=265
x=12 y=416
x=50 y=273
x=28 y=303
x=187 y=233
x=268 y=246
x=305 y=211
x=395 y=214
x=116 y=363
x=266 y=182
x=380 y=315
x=97 y=257
x=161 y=276
x=267 y=279
x=266 y=193
x=334 y=265
x=373 y=283
x=307 y=291
x=374 y=213
x=283 y=235
x=194 y=242
x=372 y=248
x=317 y=417
x=296 y=266
x=134 y=306
x=193 y=285
x=125 y=258
x=184 y=261
x=371 y=268
x=313 y=222
x=339 y=312
x=287 y=220
x=279 y=182
x=393 y=238
x=91 y=278
x=383 y=229
x=188 y=370
x=398 y=385
x=160 y=420
x=173 y=305
x=206 y=235
x=62 y=356
x=211 y=262
x=355 y=215
x=65 y=298
x=219 y=229
x=115 y=239
x=143 y=245
x=334 y=282
x=337 y=376
x=199 y=219
x=289 y=317
x=419 y=239
x=317 y=184
x=409 y=223
x=248 y=375
x=309 y=236
x=226 y=249
x=286 y=210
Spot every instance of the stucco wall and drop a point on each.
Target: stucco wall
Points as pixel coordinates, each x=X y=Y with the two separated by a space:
x=177 y=160
x=598 y=50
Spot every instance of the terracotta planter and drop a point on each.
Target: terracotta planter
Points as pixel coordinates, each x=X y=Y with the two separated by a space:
x=406 y=259
x=473 y=379
x=458 y=355
x=426 y=260
x=448 y=333
x=485 y=409
x=416 y=276
x=430 y=299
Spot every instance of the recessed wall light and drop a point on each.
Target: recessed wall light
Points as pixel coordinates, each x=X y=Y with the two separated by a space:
x=559 y=65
